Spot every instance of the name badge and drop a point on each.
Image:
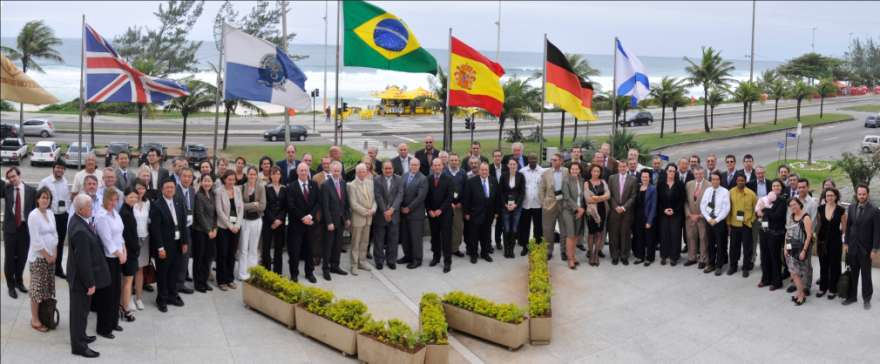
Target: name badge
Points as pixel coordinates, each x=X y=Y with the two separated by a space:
x=189 y=219
x=233 y=220
x=558 y=197
x=176 y=234
x=286 y=220
x=455 y=195
x=787 y=246
x=740 y=216
x=765 y=224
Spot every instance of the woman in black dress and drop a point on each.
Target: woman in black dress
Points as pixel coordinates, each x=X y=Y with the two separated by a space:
x=273 y=222
x=133 y=248
x=644 y=246
x=831 y=217
x=772 y=237
x=670 y=211
x=597 y=195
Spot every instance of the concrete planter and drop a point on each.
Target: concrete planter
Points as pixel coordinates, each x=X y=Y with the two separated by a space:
x=509 y=335
x=328 y=332
x=437 y=354
x=266 y=303
x=371 y=350
x=540 y=330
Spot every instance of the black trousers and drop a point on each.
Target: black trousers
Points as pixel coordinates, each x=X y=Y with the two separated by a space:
x=385 y=238
x=643 y=244
x=61 y=229
x=204 y=249
x=441 y=236
x=829 y=265
x=183 y=271
x=771 y=269
x=299 y=248
x=107 y=300
x=670 y=236
x=166 y=274
x=499 y=230
x=860 y=264
x=481 y=237
x=529 y=220
x=411 y=231
x=227 y=245
x=273 y=241
x=741 y=245
x=332 y=247
x=79 y=318
x=718 y=244
x=16 y=244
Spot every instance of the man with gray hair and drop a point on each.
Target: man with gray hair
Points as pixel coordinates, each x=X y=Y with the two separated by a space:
x=363 y=207
x=373 y=153
x=388 y=190
x=86 y=271
x=516 y=153
x=109 y=179
x=337 y=217
x=90 y=169
x=412 y=209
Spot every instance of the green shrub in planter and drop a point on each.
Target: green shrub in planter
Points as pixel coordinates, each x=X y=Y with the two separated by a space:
x=540 y=289
x=508 y=313
x=283 y=288
x=315 y=299
x=349 y=313
x=393 y=332
x=433 y=320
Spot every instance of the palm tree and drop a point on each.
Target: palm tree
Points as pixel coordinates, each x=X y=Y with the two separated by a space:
x=712 y=71
x=776 y=88
x=799 y=91
x=520 y=98
x=746 y=93
x=716 y=97
x=200 y=97
x=665 y=93
x=35 y=41
x=825 y=88
x=682 y=100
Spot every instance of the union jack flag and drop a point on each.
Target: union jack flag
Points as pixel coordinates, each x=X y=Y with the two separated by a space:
x=109 y=78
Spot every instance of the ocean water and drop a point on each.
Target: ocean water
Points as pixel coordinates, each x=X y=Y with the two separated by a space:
x=356 y=84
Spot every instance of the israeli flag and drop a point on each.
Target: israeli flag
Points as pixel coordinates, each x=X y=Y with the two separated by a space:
x=257 y=70
x=630 y=75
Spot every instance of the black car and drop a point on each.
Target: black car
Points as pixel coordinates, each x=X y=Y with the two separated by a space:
x=113 y=149
x=157 y=146
x=195 y=153
x=641 y=118
x=872 y=121
x=297 y=132
x=8 y=131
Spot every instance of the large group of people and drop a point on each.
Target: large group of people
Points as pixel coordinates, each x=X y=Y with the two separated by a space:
x=125 y=224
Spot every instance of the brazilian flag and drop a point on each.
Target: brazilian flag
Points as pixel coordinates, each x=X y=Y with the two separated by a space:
x=378 y=39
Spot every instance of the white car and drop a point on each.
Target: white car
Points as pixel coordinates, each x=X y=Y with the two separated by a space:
x=45 y=152
x=13 y=150
x=39 y=127
x=871 y=143
x=72 y=157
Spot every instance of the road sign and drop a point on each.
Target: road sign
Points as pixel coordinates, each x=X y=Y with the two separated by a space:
x=791 y=135
x=799 y=129
x=663 y=157
x=780 y=145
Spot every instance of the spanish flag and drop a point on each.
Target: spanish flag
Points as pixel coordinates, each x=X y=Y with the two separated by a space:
x=474 y=80
x=564 y=88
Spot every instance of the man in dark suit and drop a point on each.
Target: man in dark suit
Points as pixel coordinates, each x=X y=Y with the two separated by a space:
x=401 y=161
x=185 y=192
x=86 y=271
x=496 y=169
x=157 y=172
x=516 y=153
x=622 y=187
x=19 y=203
x=748 y=168
x=684 y=174
x=412 y=209
x=288 y=166
x=599 y=159
x=728 y=180
x=337 y=217
x=169 y=238
x=388 y=190
x=303 y=203
x=760 y=185
x=426 y=155
x=476 y=149
x=124 y=176
x=438 y=204
x=862 y=245
x=480 y=199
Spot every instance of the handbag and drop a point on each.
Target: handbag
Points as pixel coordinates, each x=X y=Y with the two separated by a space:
x=149 y=274
x=843 y=283
x=48 y=313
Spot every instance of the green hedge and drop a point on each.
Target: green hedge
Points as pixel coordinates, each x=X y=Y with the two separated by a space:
x=349 y=313
x=508 y=313
x=540 y=289
x=285 y=289
x=394 y=332
x=435 y=330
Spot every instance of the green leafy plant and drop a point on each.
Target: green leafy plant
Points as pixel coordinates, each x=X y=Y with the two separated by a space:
x=540 y=289
x=286 y=290
x=435 y=330
x=508 y=313
x=349 y=313
x=315 y=299
x=393 y=332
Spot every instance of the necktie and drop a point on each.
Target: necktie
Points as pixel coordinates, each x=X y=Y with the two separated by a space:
x=92 y=225
x=409 y=179
x=305 y=188
x=486 y=188
x=186 y=197
x=338 y=189
x=17 y=206
x=713 y=203
x=858 y=212
x=124 y=177
x=387 y=184
x=697 y=190
x=436 y=181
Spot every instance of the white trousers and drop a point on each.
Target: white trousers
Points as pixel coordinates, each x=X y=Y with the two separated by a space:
x=248 y=247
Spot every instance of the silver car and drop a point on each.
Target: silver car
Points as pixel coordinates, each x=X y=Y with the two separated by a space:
x=39 y=127
x=72 y=157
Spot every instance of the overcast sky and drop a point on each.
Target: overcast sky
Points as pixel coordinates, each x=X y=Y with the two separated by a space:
x=784 y=29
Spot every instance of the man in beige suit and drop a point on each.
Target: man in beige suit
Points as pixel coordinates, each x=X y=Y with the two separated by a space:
x=622 y=212
x=550 y=192
x=694 y=223
x=363 y=207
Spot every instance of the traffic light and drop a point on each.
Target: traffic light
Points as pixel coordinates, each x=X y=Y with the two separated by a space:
x=344 y=107
x=468 y=124
x=315 y=93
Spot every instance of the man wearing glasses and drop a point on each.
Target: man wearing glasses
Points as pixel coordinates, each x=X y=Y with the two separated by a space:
x=727 y=177
x=426 y=155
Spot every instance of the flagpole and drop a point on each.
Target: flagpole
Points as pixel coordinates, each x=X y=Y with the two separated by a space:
x=220 y=87
x=82 y=104
x=284 y=48
x=543 y=98
x=336 y=129
x=326 y=2
x=447 y=114
x=498 y=36
x=613 y=100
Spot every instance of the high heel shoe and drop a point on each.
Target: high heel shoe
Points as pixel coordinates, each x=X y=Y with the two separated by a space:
x=800 y=302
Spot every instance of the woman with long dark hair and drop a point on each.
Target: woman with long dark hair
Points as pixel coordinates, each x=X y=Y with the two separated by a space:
x=670 y=211
x=265 y=166
x=597 y=196
x=571 y=223
x=204 y=231
x=798 y=235
x=644 y=245
x=772 y=220
x=230 y=213
x=831 y=220
x=133 y=248
x=273 y=223
x=42 y=252
x=512 y=190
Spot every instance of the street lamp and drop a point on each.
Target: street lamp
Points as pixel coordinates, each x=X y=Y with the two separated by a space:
x=813 y=42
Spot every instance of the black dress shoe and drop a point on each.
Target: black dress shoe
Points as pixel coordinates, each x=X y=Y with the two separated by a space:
x=791 y=288
x=524 y=252
x=177 y=301
x=615 y=261
x=701 y=266
x=492 y=250
x=338 y=271
x=745 y=274
x=162 y=307
x=719 y=271
x=663 y=261
x=648 y=263
x=208 y=287
x=369 y=256
x=473 y=259
x=185 y=290
x=848 y=302
x=731 y=271
x=91 y=339
x=201 y=289
x=311 y=278
x=638 y=261
x=434 y=262
x=12 y=292
x=327 y=275
x=148 y=288
x=867 y=305
x=673 y=262
x=294 y=278
x=414 y=265
x=690 y=263
x=87 y=353
x=582 y=247
x=392 y=266
x=601 y=254
x=563 y=256
x=404 y=260
x=446 y=269
x=379 y=266
x=625 y=261
x=458 y=254
x=107 y=336
x=117 y=328
x=21 y=287
x=487 y=258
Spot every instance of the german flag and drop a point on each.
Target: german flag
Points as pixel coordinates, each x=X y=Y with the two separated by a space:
x=564 y=88
x=474 y=80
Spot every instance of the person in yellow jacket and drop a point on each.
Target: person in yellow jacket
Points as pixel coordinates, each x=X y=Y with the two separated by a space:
x=739 y=221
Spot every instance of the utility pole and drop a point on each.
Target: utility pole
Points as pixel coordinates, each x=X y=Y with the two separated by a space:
x=498 y=35
x=325 y=54
x=813 y=41
x=752 y=56
x=284 y=48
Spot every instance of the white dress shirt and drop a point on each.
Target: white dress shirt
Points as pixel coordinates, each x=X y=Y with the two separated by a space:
x=722 y=203
x=79 y=179
x=109 y=227
x=60 y=193
x=170 y=203
x=43 y=234
x=533 y=181
x=142 y=217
